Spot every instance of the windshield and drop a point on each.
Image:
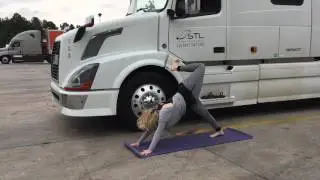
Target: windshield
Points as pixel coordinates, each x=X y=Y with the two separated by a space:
x=150 y=5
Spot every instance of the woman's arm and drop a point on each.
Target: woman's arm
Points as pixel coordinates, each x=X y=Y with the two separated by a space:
x=143 y=137
x=157 y=136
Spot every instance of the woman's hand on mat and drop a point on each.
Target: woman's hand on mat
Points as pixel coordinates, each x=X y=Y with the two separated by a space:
x=146 y=152
x=134 y=144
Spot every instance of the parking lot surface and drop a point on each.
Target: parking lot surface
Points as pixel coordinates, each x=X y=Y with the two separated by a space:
x=36 y=142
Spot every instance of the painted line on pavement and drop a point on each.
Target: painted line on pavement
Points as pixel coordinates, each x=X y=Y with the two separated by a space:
x=252 y=123
x=274 y=121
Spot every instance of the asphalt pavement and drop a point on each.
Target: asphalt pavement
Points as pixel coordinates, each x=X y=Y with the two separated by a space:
x=36 y=142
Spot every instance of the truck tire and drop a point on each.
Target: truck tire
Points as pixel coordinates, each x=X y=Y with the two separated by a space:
x=143 y=90
x=47 y=58
x=5 y=59
x=48 y=61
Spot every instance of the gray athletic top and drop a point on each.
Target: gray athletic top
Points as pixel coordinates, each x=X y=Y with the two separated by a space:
x=170 y=116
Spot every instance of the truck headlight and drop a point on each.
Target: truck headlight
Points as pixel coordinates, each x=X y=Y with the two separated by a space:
x=82 y=79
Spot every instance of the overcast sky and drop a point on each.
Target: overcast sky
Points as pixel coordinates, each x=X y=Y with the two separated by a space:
x=71 y=11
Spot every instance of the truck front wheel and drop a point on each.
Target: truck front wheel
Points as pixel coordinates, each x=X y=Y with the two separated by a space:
x=5 y=59
x=143 y=91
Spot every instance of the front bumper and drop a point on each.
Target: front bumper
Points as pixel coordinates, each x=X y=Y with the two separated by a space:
x=85 y=104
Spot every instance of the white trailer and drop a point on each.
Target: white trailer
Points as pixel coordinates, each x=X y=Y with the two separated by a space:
x=255 y=51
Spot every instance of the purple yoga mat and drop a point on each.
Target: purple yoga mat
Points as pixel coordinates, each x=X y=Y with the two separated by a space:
x=181 y=143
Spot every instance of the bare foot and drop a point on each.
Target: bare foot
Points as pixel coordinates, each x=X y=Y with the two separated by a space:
x=216 y=134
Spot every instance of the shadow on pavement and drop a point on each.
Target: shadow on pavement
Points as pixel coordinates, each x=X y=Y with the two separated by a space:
x=227 y=114
x=103 y=126
x=90 y=126
x=268 y=108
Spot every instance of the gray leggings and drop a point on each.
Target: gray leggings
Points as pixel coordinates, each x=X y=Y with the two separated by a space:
x=194 y=84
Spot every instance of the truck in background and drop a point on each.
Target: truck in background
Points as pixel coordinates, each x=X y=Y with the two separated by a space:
x=30 y=46
x=255 y=51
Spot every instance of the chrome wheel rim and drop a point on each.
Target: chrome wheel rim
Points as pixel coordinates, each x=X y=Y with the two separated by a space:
x=145 y=97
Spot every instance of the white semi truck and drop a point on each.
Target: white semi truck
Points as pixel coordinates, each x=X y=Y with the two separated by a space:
x=255 y=51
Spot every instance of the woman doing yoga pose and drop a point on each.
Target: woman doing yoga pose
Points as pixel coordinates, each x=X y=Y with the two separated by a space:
x=169 y=114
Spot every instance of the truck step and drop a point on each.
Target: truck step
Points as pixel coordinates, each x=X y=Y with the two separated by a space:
x=225 y=100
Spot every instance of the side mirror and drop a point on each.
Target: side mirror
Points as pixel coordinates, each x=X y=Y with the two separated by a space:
x=89 y=21
x=170 y=13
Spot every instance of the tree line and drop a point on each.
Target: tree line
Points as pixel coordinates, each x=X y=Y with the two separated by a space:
x=9 y=27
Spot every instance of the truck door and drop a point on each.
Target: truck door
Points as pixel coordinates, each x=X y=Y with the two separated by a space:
x=16 y=50
x=198 y=32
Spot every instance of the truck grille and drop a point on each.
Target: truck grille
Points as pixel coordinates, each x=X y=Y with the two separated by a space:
x=55 y=72
x=54 y=63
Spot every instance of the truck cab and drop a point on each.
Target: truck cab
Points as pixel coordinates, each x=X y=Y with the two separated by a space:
x=13 y=49
x=255 y=51
x=25 y=46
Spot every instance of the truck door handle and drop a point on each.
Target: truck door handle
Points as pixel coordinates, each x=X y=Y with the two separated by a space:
x=230 y=68
x=218 y=49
